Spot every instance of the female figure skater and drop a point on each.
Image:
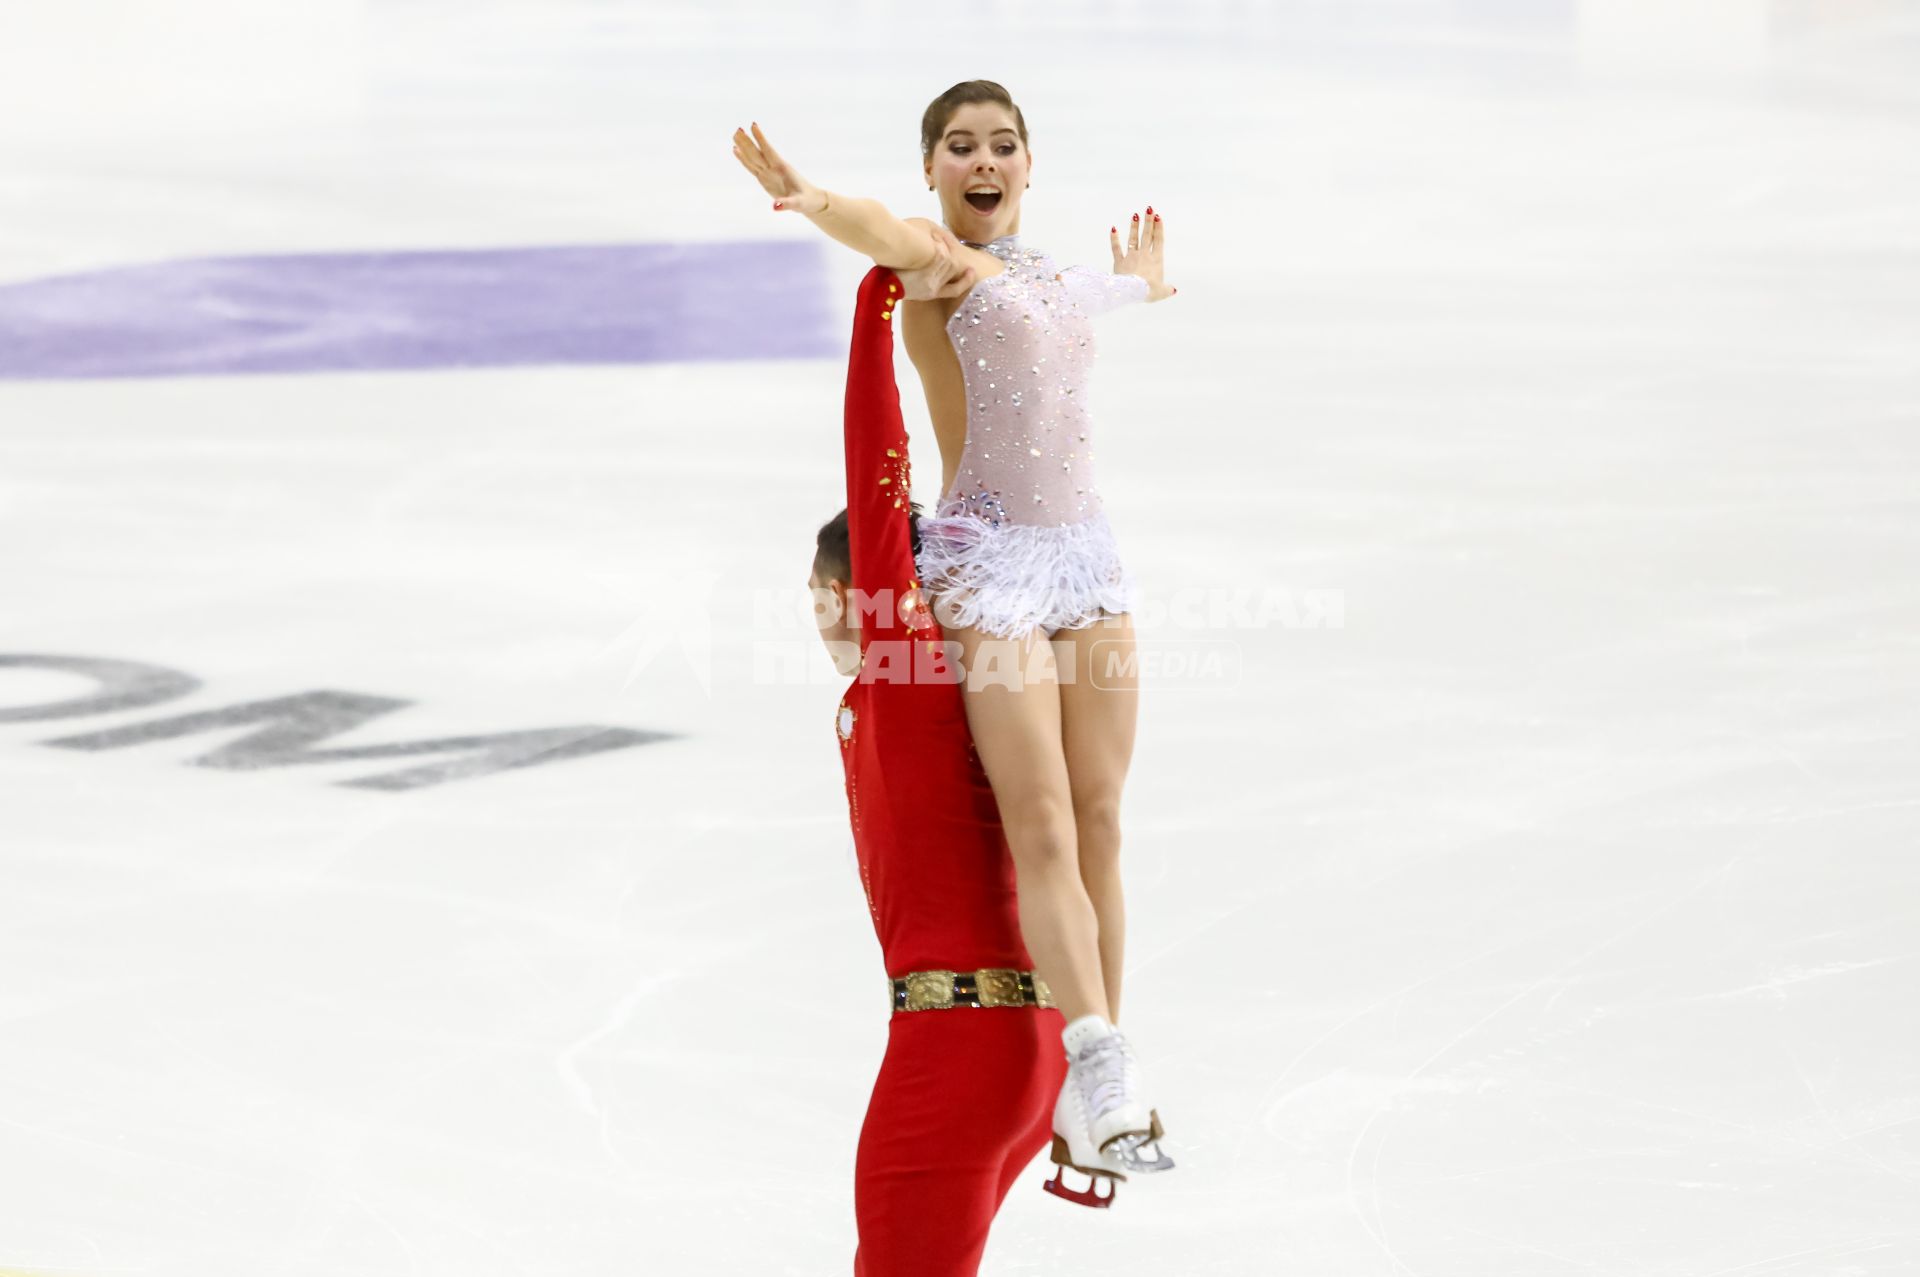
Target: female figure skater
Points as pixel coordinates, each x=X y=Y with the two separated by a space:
x=1020 y=552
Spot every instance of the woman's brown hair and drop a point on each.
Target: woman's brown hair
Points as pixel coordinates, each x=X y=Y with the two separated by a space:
x=940 y=111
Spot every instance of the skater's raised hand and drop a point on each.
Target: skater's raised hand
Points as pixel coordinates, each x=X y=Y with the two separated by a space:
x=791 y=192
x=1144 y=255
x=946 y=275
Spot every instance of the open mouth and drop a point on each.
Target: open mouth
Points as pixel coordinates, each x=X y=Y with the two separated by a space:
x=985 y=201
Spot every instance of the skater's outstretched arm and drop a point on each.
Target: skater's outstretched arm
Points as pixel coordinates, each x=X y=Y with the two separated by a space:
x=1139 y=270
x=863 y=225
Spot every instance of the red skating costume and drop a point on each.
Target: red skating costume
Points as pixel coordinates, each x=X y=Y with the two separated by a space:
x=965 y=1094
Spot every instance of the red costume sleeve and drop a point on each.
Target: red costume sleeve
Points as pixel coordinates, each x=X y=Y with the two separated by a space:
x=879 y=481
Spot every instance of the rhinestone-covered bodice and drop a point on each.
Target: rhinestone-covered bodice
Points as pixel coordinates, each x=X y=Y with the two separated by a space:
x=1026 y=348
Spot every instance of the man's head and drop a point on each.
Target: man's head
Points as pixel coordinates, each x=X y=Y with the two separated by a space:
x=831 y=578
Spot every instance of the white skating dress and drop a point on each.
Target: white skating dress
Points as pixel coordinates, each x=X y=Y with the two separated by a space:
x=1020 y=542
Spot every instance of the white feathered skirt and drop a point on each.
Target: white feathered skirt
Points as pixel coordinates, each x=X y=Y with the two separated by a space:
x=1010 y=579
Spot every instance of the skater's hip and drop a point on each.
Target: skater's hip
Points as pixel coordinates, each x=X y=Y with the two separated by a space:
x=987 y=987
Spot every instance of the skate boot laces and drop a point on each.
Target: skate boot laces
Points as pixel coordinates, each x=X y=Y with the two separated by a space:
x=1108 y=1077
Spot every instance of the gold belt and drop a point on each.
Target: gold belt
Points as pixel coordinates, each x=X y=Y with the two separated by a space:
x=987 y=987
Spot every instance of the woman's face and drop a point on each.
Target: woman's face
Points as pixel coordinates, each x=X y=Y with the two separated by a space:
x=980 y=151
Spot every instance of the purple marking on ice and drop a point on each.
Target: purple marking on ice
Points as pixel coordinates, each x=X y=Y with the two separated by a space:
x=316 y=312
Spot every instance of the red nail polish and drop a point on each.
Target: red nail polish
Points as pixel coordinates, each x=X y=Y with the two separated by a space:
x=776 y=203
x=1113 y=230
x=1136 y=217
x=1149 y=208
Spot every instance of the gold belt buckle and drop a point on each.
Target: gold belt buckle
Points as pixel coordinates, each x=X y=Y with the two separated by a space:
x=998 y=987
x=929 y=990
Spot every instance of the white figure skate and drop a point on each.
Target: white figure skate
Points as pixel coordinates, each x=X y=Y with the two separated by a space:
x=1073 y=1147
x=1119 y=1121
x=1101 y=1123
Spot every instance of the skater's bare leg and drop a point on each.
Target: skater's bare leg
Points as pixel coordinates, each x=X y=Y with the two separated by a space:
x=1012 y=698
x=1099 y=709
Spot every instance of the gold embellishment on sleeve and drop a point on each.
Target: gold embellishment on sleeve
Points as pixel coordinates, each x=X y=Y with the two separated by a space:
x=902 y=480
x=913 y=607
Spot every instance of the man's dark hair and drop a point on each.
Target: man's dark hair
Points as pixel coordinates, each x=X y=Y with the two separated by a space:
x=833 y=556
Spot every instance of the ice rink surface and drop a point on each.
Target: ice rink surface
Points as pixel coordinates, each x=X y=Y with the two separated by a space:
x=423 y=846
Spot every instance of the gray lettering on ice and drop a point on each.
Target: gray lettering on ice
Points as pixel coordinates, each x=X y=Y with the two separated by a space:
x=291 y=725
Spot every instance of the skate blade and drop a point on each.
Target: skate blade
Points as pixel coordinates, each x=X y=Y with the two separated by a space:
x=1125 y=1148
x=1088 y=1196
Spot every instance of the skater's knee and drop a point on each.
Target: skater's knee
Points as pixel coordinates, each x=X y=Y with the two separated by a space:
x=1040 y=832
x=1096 y=818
